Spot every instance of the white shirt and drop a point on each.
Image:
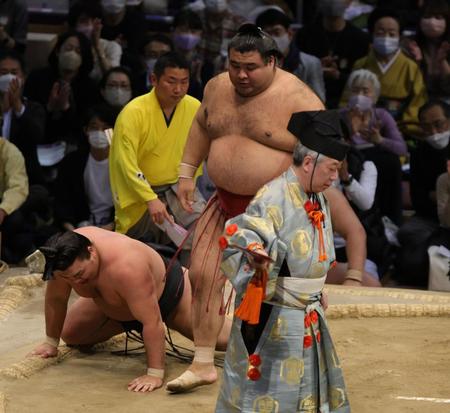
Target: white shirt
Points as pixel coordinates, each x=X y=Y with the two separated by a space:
x=7 y=116
x=362 y=192
x=98 y=190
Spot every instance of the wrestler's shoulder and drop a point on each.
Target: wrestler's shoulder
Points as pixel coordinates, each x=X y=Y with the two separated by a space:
x=218 y=83
x=298 y=93
x=112 y=242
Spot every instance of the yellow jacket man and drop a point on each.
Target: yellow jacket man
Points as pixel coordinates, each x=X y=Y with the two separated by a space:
x=147 y=146
x=16 y=242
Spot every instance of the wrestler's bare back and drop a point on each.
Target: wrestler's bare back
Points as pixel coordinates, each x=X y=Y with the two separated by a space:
x=118 y=254
x=250 y=144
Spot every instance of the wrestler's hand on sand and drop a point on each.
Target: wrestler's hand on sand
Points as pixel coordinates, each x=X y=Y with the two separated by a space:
x=145 y=383
x=158 y=211
x=185 y=193
x=44 y=350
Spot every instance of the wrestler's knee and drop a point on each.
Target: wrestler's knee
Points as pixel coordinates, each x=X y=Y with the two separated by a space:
x=70 y=334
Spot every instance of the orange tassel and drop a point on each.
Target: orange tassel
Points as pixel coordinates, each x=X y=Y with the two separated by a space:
x=250 y=307
x=316 y=218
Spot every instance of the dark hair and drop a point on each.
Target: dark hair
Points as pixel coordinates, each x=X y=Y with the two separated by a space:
x=432 y=103
x=189 y=19
x=62 y=249
x=379 y=13
x=106 y=113
x=251 y=38
x=117 y=69
x=157 y=37
x=87 y=60
x=89 y=9
x=171 y=59
x=272 y=17
x=13 y=55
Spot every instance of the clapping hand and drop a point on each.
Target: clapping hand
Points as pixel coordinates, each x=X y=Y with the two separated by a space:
x=330 y=68
x=59 y=97
x=442 y=52
x=414 y=50
x=95 y=37
x=372 y=134
x=15 y=94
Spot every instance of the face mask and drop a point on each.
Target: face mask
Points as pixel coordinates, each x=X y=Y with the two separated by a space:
x=438 y=140
x=186 y=41
x=114 y=6
x=282 y=42
x=5 y=81
x=386 y=45
x=215 y=6
x=432 y=27
x=363 y=103
x=116 y=96
x=70 y=60
x=86 y=29
x=150 y=64
x=333 y=8
x=97 y=139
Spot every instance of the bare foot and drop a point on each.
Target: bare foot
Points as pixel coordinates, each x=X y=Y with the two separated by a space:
x=198 y=374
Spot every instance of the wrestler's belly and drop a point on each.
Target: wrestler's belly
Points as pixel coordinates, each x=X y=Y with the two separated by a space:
x=241 y=165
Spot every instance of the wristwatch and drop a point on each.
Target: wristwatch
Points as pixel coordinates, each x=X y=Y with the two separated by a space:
x=348 y=181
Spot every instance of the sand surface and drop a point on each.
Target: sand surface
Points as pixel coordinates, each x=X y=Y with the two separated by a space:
x=384 y=359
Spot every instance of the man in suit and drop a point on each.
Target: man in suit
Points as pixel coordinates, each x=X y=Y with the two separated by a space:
x=23 y=120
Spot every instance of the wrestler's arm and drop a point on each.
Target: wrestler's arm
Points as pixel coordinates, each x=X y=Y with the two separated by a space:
x=195 y=152
x=56 y=298
x=198 y=142
x=346 y=223
x=137 y=287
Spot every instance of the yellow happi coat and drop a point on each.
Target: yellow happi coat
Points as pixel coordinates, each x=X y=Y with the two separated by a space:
x=145 y=152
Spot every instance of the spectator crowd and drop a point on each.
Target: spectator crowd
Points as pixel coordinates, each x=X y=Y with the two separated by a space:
x=384 y=65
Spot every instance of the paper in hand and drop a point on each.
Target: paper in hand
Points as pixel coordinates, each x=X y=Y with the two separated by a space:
x=174 y=231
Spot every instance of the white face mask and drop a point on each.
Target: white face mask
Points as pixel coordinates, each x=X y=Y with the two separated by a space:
x=98 y=139
x=114 y=6
x=69 y=60
x=5 y=81
x=363 y=103
x=282 y=42
x=116 y=96
x=386 y=45
x=438 y=140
